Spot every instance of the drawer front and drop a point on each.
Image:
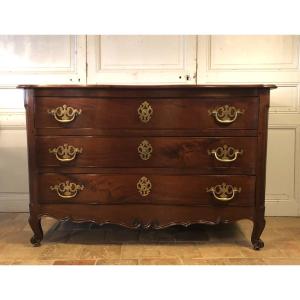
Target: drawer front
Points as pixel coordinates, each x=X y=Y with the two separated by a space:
x=207 y=154
x=156 y=113
x=148 y=189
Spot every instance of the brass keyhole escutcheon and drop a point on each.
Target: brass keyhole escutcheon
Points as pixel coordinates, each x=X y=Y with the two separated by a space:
x=144 y=186
x=145 y=112
x=145 y=149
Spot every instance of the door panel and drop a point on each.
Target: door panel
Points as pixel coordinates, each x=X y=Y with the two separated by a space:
x=156 y=59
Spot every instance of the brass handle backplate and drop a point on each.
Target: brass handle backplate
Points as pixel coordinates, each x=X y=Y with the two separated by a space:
x=144 y=186
x=224 y=192
x=145 y=149
x=226 y=114
x=67 y=189
x=66 y=152
x=225 y=153
x=145 y=112
x=64 y=114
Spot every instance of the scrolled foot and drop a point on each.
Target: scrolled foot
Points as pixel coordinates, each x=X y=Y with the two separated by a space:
x=35 y=223
x=36 y=242
x=258 y=244
x=259 y=225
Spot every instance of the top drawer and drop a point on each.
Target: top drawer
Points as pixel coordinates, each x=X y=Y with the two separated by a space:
x=156 y=113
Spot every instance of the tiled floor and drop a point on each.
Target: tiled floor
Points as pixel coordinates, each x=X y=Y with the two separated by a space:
x=67 y=243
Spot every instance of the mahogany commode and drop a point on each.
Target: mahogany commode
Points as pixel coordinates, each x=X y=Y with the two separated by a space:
x=147 y=156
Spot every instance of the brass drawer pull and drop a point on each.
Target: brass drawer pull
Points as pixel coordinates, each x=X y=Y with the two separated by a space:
x=223 y=192
x=67 y=189
x=64 y=114
x=144 y=186
x=145 y=149
x=66 y=152
x=145 y=112
x=225 y=114
x=225 y=153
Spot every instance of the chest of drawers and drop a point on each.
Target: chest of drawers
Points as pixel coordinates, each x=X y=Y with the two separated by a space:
x=147 y=156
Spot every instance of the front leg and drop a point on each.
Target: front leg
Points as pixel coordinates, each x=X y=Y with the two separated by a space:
x=35 y=224
x=258 y=227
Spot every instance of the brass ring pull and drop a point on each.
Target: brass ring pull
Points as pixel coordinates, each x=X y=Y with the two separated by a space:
x=145 y=112
x=66 y=152
x=67 y=189
x=226 y=114
x=225 y=153
x=64 y=114
x=144 y=186
x=223 y=192
x=145 y=149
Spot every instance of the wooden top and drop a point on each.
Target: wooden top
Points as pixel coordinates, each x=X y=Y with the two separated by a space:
x=269 y=86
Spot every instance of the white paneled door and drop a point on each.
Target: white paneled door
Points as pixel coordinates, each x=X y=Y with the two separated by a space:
x=264 y=59
x=151 y=59
x=38 y=59
x=244 y=59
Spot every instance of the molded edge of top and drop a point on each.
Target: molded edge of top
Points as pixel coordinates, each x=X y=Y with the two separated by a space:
x=138 y=86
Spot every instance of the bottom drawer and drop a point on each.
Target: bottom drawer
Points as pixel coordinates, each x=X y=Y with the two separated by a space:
x=149 y=189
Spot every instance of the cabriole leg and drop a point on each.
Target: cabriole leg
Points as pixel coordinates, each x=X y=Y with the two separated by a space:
x=258 y=227
x=35 y=224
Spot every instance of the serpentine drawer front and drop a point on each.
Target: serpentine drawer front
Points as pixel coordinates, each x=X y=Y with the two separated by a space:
x=147 y=156
x=148 y=189
x=227 y=154
x=146 y=113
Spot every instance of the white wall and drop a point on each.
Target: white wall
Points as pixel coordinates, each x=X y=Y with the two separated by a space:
x=13 y=152
x=155 y=60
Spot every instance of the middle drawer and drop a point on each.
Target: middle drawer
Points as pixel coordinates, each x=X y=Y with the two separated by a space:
x=209 y=154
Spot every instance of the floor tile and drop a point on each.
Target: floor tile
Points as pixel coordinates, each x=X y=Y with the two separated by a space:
x=181 y=251
x=87 y=237
x=99 y=251
x=31 y=262
x=220 y=250
x=290 y=249
x=68 y=243
x=6 y=262
x=74 y=262
x=117 y=261
x=281 y=261
x=244 y=261
x=57 y=251
x=138 y=251
x=282 y=222
x=160 y=261
x=269 y=250
x=203 y=261
x=16 y=245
